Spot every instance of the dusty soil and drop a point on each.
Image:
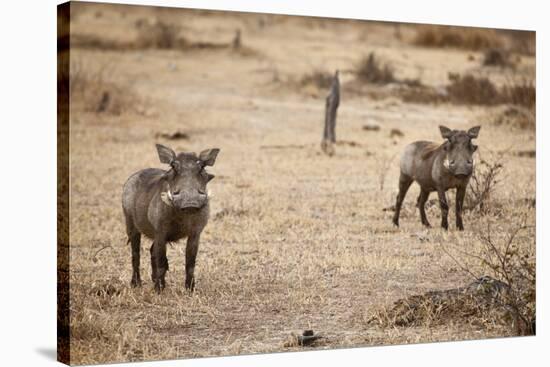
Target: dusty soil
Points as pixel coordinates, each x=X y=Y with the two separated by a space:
x=296 y=240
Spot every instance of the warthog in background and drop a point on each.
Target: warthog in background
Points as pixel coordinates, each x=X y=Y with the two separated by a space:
x=438 y=167
x=167 y=206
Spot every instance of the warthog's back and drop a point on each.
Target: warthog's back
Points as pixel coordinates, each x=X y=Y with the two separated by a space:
x=417 y=159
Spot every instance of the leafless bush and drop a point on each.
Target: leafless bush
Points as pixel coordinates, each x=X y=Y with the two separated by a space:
x=482 y=185
x=370 y=69
x=458 y=37
x=511 y=260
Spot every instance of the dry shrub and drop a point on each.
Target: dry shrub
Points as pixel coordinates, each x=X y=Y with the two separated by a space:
x=522 y=42
x=422 y=94
x=159 y=35
x=511 y=259
x=370 y=69
x=474 y=303
x=516 y=117
x=317 y=78
x=92 y=89
x=498 y=57
x=523 y=93
x=506 y=297
x=469 y=89
x=459 y=37
x=482 y=185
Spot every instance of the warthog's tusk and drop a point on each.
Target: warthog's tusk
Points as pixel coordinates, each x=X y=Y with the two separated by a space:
x=446 y=163
x=166 y=198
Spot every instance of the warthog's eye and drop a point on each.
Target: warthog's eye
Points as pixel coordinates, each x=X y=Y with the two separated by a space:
x=470 y=161
x=451 y=162
x=175 y=192
x=202 y=192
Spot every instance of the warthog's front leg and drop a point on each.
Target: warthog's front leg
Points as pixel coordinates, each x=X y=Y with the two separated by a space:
x=190 y=257
x=460 y=194
x=444 y=208
x=135 y=241
x=159 y=263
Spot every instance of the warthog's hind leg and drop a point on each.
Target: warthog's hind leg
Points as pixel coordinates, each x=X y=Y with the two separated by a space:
x=404 y=184
x=422 y=198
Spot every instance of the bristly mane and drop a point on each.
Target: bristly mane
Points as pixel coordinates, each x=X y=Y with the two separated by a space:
x=430 y=150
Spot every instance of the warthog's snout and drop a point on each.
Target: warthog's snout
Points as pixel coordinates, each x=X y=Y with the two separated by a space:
x=188 y=199
x=461 y=169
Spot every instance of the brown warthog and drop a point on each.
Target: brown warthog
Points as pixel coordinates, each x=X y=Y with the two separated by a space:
x=438 y=167
x=167 y=206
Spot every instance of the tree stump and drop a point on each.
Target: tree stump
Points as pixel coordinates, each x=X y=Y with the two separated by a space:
x=331 y=106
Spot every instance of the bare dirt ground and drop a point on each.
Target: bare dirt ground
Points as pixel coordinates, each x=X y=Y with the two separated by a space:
x=296 y=239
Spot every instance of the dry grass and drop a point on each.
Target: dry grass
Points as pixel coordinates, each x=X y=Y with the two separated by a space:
x=458 y=37
x=469 y=89
x=93 y=89
x=371 y=70
x=317 y=78
x=296 y=240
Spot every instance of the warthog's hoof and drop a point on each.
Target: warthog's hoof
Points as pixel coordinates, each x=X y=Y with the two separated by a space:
x=159 y=286
x=135 y=282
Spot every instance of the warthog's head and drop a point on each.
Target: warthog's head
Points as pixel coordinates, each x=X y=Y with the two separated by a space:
x=459 y=150
x=185 y=183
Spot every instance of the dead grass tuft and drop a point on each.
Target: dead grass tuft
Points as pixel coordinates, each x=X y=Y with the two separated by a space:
x=498 y=57
x=318 y=78
x=159 y=35
x=371 y=70
x=469 y=89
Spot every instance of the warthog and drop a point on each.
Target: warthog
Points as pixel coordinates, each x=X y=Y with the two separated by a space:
x=167 y=206
x=438 y=167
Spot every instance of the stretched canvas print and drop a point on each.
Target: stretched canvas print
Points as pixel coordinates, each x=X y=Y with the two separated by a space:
x=235 y=183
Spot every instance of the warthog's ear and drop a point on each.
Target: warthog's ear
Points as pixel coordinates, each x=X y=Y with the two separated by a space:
x=166 y=155
x=446 y=133
x=474 y=132
x=208 y=156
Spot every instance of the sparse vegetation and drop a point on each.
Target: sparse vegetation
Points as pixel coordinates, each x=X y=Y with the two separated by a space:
x=482 y=185
x=318 y=78
x=296 y=240
x=498 y=57
x=371 y=70
x=159 y=34
x=468 y=89
x=510 y=259
x=93 y=89
x=458 y=37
